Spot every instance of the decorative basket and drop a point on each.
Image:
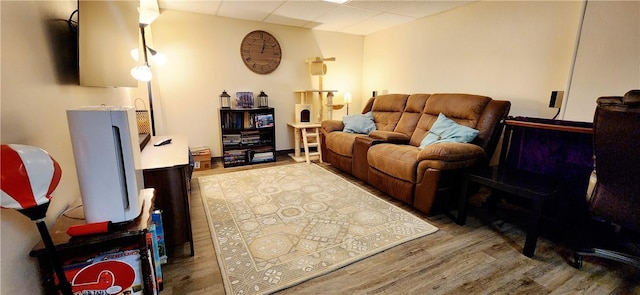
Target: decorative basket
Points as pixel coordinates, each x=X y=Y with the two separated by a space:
x=142 y=117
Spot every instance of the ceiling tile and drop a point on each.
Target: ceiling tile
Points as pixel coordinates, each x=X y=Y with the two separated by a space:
x=418 y=9
x=376 y=23
x=251 y=10
x=382 y=6
x=287 y=21
x=359 y=17
x=204 y=7
x=305 y=10
x=343 y=16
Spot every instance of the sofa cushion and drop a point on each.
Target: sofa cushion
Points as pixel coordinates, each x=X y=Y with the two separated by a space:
x=447 y=130
x=411 y=114
x=341 y=143
x=387 y=110
x=397 y=160
x=359 y=123
x=464 y=109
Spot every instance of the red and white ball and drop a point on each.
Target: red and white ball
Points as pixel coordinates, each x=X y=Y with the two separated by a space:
x=28 y=176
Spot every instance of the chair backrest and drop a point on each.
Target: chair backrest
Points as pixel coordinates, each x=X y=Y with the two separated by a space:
x=616 y=144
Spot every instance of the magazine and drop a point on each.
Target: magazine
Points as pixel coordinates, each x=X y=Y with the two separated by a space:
x=264 y=121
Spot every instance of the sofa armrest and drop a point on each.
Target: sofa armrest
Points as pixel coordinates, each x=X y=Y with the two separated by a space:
x=331 y=125
x=452 y=152
x=390 y=136
x=359 y=163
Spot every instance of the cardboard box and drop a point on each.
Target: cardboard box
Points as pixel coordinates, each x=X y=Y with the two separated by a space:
x=201 y=159
x=107 y=273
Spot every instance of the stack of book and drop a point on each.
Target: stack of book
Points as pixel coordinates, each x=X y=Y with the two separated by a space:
x=262 y=155
x=235 y=157
x=250 y=137
x=231 y=139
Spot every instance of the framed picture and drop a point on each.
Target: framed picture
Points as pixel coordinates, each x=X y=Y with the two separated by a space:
x=244 y=100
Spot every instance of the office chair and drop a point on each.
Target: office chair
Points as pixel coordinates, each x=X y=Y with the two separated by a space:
x=615 y=198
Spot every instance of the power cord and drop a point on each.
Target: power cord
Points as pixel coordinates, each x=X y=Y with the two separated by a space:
x=72 y=217
x=557 y=113
x=73 y=24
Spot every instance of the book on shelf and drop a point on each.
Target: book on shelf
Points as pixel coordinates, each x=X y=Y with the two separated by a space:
x=249 y=132
x=231 y=139
x=235 y=152
x=235 y=156
x=251 y=139
x=233 y=121
x=262 y=157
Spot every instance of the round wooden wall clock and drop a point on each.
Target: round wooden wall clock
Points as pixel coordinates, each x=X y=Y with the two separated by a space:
x=260 y=52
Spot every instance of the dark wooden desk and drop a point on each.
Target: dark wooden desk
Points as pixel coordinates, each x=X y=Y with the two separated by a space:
x=166 y=169
x=69 y=249
x=540 y=160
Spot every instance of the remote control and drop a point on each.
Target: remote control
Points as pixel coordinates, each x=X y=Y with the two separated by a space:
x=163 y=142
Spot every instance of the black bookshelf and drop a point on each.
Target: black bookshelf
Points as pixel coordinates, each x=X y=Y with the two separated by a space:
x=248 y=136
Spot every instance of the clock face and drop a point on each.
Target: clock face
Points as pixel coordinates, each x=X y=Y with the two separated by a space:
x=260 y=52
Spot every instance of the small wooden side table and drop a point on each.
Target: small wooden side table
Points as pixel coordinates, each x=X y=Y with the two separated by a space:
x=535 y=188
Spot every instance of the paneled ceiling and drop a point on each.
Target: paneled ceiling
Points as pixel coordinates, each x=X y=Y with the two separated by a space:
x=360 y=17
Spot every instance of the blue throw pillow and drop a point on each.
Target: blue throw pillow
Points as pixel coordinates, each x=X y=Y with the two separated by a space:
x=447 y=130
x=359 y=123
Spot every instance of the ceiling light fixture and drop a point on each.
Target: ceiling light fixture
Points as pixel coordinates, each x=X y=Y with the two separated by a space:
x=338 y=1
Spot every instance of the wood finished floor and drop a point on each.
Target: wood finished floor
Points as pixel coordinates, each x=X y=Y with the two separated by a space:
x=477 y=258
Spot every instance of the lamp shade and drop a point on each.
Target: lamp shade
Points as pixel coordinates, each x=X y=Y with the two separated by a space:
x=142 y=73
x=159 y=58
x=347 y=97
x=29 y=176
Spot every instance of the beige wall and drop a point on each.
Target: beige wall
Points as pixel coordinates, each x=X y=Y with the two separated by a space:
x=514 y=50
x=608 y=58
x=39 y=83
x=204 y=60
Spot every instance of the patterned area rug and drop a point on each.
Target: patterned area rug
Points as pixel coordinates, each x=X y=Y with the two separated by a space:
x=276 y=227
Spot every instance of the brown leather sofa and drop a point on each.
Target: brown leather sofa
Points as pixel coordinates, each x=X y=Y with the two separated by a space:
x=389 y=158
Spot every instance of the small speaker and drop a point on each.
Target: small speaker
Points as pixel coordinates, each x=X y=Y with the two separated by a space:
x=556 y=99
